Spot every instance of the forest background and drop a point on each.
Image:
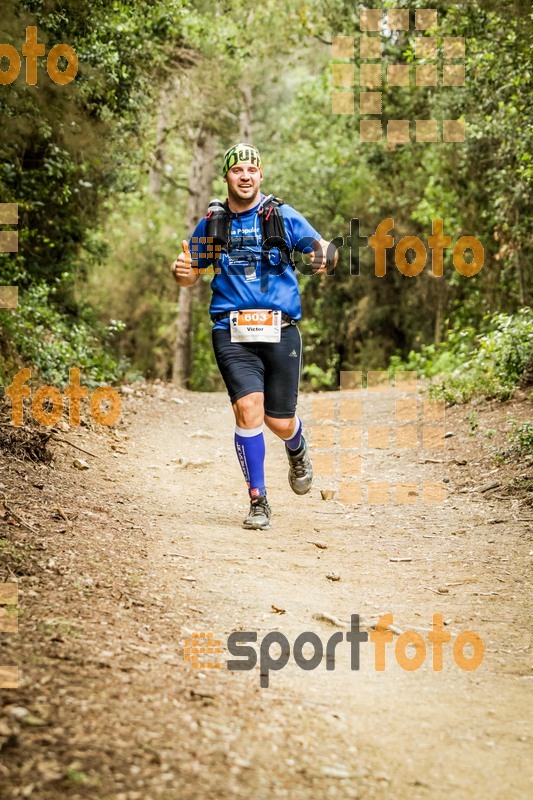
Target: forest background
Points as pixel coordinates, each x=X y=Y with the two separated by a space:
x=113 y=170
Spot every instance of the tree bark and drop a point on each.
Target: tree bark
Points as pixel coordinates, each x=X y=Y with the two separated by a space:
x=527 y=375
x=157 y=169
x=201 y=175
x=245 y=116
x=440 y=310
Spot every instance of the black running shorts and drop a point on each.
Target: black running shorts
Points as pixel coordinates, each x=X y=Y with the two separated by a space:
x=269 y=367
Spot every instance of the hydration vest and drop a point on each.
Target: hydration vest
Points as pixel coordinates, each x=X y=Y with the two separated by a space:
x=273 y=232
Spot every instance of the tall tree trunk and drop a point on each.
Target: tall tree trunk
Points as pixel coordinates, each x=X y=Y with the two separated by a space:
x=442 y=294
x=527 y=375
x=157 y=169
x=518 y=259
x=245 y=117
x=201 y=175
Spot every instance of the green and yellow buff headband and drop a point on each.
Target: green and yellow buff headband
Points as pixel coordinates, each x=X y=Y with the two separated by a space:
x=241 y=154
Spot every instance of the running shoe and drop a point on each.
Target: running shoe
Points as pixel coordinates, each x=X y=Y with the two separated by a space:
x=259 y=515
x=300 y=469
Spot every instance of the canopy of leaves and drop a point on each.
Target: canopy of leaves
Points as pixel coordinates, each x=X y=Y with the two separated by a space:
x=95 y=242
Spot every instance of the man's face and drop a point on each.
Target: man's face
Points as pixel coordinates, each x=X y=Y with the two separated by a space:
x=243 y=181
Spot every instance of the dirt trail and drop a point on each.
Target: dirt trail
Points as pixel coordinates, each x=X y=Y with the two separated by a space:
x=152 y=550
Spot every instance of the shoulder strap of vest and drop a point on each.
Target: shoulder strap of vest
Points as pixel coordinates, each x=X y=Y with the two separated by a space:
x=268 y=205
x=273 y=230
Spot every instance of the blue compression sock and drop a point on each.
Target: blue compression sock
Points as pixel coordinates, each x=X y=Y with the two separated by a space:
x=294 y=443
x=250 y=448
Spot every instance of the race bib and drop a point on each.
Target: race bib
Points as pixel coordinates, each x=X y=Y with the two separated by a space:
x=255 y=325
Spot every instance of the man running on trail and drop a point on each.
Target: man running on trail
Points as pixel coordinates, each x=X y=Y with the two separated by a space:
x=255 y=306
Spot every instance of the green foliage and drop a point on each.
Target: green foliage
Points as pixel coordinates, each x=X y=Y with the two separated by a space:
x=205 y=376
x=317 y=379
x=480 y=188
x=521 y=437
x=489 y=364
x=63 y=151
x=76 y=775
x=473 y=421
x=11 y=552
x=63 y=146
x=431 y=359
x=129 y=279
x=75 y=158
x=50 y=343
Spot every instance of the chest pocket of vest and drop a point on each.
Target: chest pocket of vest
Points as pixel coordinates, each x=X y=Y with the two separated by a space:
x=245 y=251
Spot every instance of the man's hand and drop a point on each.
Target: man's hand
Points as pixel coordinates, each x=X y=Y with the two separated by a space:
x=324 y=257
x=182 y=267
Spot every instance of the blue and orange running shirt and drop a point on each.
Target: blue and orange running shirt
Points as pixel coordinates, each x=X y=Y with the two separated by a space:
x=245 y=278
